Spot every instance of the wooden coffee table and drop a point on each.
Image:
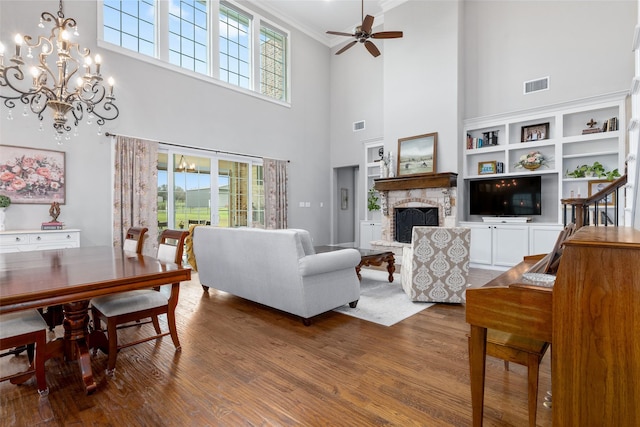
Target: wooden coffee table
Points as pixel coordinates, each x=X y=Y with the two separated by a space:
x=368 y=257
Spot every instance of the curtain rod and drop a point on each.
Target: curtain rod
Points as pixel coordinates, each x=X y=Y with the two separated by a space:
x=109 y=134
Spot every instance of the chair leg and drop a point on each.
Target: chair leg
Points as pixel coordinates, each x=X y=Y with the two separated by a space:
x=156 y=324
x=40 y=358
x=533 y=372
x=113 y=345
x=171 y=320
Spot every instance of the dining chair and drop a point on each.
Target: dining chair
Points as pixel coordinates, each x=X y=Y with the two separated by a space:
x=134 y=239
x=26 y=328
x=118 y=310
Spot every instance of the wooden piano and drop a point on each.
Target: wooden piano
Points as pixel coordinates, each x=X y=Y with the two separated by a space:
x=591 y=317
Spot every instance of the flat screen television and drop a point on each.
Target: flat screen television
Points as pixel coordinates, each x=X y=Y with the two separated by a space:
x=514 y=196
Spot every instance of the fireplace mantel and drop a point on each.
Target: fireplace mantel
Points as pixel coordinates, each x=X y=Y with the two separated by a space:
x=432 y=180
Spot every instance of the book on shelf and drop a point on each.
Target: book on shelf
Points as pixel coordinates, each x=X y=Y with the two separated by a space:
x=52 y=225
x=610 y=125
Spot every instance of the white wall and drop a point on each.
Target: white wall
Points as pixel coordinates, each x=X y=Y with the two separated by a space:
x=160 y=104
x=421 y=77
x=583 y=46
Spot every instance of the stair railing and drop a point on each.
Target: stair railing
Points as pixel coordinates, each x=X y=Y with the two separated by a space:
x=597 y=207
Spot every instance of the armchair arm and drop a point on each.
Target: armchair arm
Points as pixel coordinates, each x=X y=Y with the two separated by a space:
x=328 y=261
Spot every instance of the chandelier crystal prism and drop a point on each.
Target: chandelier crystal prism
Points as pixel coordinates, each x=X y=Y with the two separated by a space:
x=64 y=77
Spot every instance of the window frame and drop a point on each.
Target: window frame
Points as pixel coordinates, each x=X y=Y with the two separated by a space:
x=161 y=56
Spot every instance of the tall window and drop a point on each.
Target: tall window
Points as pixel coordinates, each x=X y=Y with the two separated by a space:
x=130 y=24
x=250 y=53
x=188 y=34
x=188 y=195
x=235 y=176
x=235 y=51
x=273 y=63
x=257 y=195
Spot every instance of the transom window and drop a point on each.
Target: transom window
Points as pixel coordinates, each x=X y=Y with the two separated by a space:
x=251 y=53
x=189 y=34
x=235 y=47
x=130 y=24
x=273 y=63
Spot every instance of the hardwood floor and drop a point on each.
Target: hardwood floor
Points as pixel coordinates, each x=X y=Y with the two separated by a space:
x=245 y=364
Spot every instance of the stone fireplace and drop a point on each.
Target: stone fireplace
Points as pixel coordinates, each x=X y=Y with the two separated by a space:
x=433 y=193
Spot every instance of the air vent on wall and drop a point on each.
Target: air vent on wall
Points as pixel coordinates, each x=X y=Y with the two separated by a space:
x=536 y=85
x=358 y=126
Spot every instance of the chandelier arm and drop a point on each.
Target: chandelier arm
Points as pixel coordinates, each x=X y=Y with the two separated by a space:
x=78 y=113
x=16 y=75
x=109 y=107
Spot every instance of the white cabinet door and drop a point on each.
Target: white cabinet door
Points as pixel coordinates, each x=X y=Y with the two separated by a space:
x=481 y=244
x=510 y=244
x=369 y=231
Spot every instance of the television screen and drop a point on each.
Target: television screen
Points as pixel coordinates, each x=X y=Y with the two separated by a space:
x=506 y=196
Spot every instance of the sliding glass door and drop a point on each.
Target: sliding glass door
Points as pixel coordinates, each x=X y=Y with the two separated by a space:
x=206 y=188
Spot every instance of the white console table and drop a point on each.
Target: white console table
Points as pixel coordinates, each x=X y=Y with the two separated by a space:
x=35 y=240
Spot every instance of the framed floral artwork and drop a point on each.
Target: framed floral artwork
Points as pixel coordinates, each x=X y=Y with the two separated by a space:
x=32 y=175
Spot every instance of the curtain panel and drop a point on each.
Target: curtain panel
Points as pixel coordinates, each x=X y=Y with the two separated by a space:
x=135 y=201
x=275 y=191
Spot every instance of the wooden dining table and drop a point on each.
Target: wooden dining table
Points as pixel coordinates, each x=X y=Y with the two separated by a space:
x=71 y=277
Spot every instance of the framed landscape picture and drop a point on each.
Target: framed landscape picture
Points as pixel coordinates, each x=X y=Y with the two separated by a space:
x=417 y=154
x=32 y=175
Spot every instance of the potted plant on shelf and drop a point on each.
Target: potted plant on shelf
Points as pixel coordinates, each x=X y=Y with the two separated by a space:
x=5 y=201
x=595 y=170
x=372 y=200
x=532 y=160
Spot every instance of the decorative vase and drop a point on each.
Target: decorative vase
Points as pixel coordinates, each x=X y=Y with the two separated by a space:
x=2 y=217
x=531 y=167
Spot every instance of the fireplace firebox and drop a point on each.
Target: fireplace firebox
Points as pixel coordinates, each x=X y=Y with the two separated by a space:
x=406 y=218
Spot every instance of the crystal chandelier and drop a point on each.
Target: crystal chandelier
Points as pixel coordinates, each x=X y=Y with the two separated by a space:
x=64 y=78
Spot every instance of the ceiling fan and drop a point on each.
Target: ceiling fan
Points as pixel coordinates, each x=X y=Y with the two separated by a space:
x=363 y=34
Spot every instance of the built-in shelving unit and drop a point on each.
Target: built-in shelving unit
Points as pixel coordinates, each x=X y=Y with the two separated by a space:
x=370 y=227
x=567 y=144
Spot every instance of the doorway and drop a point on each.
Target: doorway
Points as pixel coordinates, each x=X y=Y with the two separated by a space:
x=346 y=205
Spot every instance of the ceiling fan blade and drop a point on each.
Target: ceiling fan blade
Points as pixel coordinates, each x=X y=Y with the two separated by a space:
x=347 y=46
x=373 y=50
x=367 y=23
x=387 y=35
x=338 y=33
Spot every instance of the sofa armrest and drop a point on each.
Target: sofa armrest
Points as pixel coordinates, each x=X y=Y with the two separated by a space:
x=328 y=261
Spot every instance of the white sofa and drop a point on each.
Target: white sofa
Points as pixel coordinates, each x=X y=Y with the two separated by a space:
x=277 y=268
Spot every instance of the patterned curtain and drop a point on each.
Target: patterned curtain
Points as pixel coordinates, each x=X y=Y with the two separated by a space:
x=135 y=200
x=275 y=193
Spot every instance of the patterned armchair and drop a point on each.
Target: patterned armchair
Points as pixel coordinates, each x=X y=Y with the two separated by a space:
x=436 y=265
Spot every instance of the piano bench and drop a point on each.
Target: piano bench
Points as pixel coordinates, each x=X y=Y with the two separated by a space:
x=523 y=351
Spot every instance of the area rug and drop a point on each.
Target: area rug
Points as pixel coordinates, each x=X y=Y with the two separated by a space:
x=382 y=302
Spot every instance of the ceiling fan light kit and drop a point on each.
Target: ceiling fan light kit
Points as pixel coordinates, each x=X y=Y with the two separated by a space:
x=363 y=33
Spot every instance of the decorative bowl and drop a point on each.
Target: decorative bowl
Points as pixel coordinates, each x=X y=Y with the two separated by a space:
x=531 y=166
x=540 y=279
